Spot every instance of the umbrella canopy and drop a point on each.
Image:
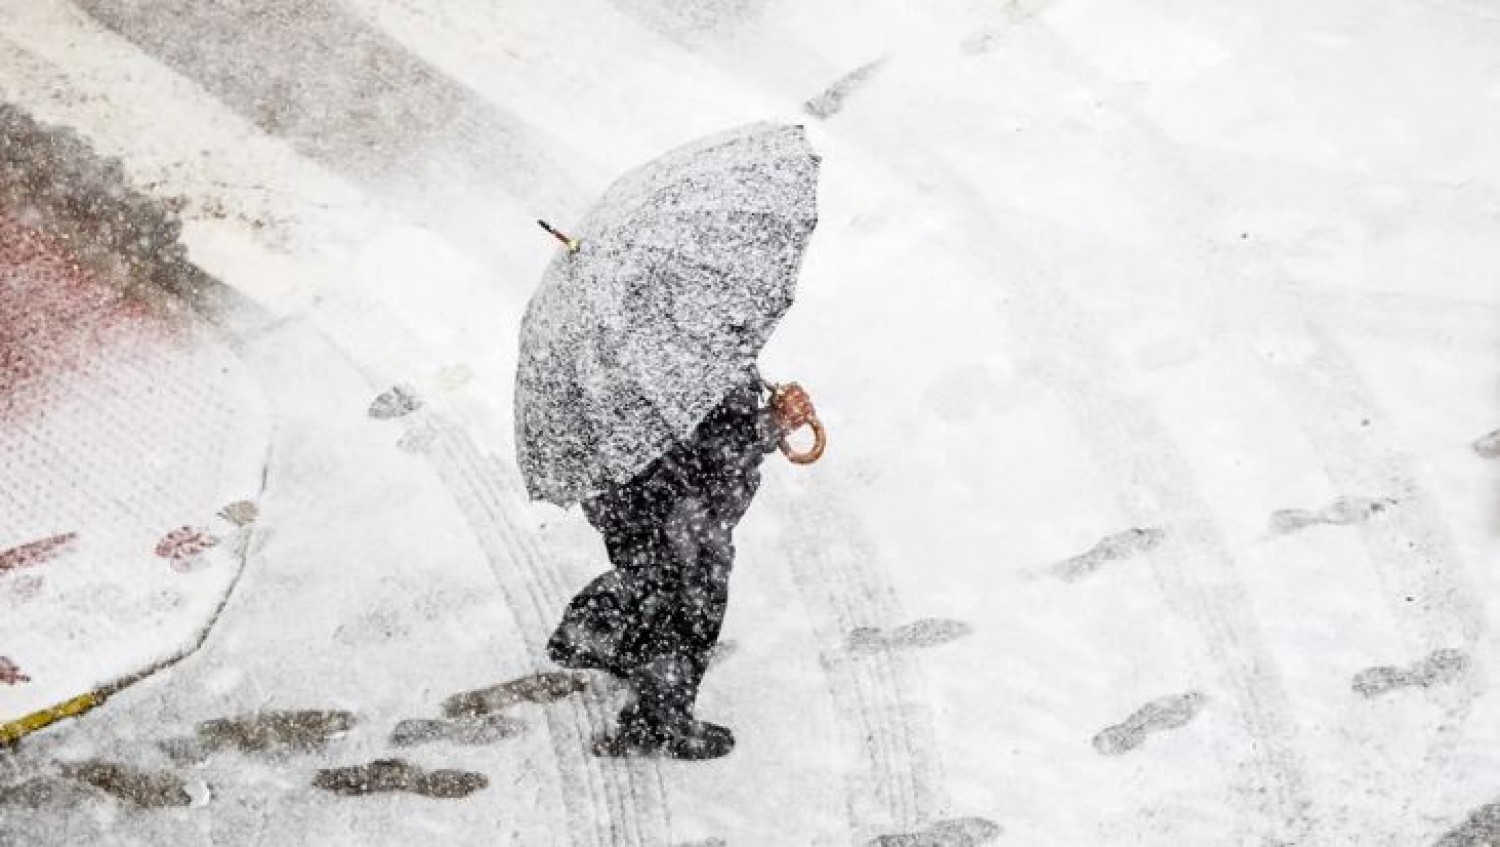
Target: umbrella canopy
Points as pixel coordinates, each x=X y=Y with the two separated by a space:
x=675 y=282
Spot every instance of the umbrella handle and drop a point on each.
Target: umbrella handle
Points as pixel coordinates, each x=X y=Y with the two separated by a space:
x=820 y=442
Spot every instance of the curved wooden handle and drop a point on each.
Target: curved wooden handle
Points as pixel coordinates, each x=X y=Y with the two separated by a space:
x=820 y=443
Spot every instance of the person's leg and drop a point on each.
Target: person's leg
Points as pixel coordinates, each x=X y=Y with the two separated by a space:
x=686 y=633
x=605 y=625
x=594 y=626
x=665 y=684
x=681 y=590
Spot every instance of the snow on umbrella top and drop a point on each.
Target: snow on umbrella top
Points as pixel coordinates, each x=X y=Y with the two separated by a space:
x=661 y=305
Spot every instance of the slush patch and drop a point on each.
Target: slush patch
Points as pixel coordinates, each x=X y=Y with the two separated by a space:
x=1164 y=713
x=1438 y=668
x=384 y=775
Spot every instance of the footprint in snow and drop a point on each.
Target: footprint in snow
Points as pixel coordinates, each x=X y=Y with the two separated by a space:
x=831 y=100
x=23 y=587
x=547 y=687
x=384 y=775
x=927 y=632
x=10 y=672
x=1438 y=668
x=1110 y=548
x=1488 y=447
x=1345 y=511
x=240 y=512
x=300 y=731
x=469 y=732
x=142 y=789
x=1164 y=713
x=399 y=401
x=182 y=547
x=418 y=440
x=45 y=793
x=956 y=832
x=36 y=552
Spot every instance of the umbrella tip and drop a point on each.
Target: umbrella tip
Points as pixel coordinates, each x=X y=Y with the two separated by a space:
x=571 y=243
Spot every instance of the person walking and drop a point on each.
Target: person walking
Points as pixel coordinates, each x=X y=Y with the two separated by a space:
x=653 y=620
x=638 y=396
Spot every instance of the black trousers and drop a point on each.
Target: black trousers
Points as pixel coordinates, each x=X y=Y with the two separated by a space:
x=655 y=616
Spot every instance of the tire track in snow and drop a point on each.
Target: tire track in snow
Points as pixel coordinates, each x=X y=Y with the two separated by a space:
x=1320 y=389
x=605 y=803
x=1328 y=392
x=1193 y=566
x=899 y=783
x=1412 y=549
x=1411 y=546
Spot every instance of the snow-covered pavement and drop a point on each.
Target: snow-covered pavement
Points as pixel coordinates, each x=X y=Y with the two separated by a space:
x=1157 y=342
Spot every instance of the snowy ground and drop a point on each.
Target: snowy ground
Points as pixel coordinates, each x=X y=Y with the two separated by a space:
x=1157 y=342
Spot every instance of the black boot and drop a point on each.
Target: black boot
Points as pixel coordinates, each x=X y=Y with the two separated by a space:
x=595 y=628
x=660 y=721
x=678 y=738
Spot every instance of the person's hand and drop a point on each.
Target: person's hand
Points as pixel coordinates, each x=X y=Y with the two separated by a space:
x=791 y=408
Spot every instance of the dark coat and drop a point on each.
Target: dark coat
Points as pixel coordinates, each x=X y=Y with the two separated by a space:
x=668 y=532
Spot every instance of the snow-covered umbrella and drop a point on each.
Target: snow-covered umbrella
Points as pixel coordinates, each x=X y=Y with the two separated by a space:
x=659 y=304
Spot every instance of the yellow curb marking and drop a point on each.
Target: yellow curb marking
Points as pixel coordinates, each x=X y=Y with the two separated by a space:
x=17 y=729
